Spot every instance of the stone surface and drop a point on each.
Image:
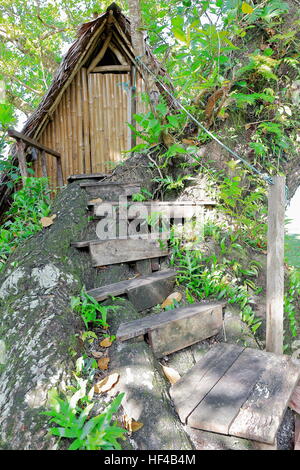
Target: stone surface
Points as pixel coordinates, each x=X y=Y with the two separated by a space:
x=146 y=399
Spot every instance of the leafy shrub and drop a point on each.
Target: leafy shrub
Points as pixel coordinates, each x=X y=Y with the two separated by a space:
x=22 y=220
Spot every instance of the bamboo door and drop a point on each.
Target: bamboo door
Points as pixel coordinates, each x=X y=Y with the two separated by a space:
x=108 y=111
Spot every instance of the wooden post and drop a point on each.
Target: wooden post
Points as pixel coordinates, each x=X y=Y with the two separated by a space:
x=60 y=178
x=43 y=164
x=275 y=266
x=22 y=160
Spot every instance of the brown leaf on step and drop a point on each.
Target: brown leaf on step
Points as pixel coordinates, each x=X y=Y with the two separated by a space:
x=171 y=374
x=103 y=363
x=106 y=384
x=106 y=343
x=47 y=221
x=131 y=425
x=98 y=200
x=170 y=300
x=97 y=354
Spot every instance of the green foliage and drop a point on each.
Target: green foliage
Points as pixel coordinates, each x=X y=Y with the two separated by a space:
x=292 y=300
x=246 y=207
x=142 y=196
x=169 y=183
x=22 y=220
x=71 y=414
x=206 y=276
x=89 y=309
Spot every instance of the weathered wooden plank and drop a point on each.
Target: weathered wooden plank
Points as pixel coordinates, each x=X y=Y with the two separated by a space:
x=110 y=190
x=151 y=322
x=22 y=160
x=96 y=176
x=220 y=406
x=183 y=332
x=188 y=392
x=297 y=433
x=151 y=293
x=158 y=206
x=143 y=266
x=261 y=415
x=138 y=283
x=275 y=266
x=32 y=142
x=59 y=173
x=111 y=68
x=123 y=251
x=139 y=236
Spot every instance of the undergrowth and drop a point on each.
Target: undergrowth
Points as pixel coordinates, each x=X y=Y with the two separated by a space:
x=72 y=415
x=23 y=218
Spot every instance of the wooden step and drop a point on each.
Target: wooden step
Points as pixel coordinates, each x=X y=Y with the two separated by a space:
x=164 y=236
x=176 y=329
x=134 y=210
x=117 y=251
x=144 y=291
x=111 y=190
x=238 y=391
x=93 y=176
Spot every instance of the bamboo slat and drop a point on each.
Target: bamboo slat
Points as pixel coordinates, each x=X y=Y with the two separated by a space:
x=96 y=121
x=106 y=119
x=79 y=117
x=63 y=135
x=67 y=117
x=75 y=139
x=90 y=79
x=86 y=122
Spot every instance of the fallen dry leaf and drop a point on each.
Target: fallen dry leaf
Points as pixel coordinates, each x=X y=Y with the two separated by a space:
x=131 y=425
x=47 y=221
x=170 y=299
x=103 y=363
x=98 y=200
x=97 y=354
x=171 y=374
x=105 y=343
x=106 y=384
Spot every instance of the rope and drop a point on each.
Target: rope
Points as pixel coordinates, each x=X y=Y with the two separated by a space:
x=267 y=178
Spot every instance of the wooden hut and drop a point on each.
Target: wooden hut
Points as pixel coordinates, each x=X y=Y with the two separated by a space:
x=97 y=88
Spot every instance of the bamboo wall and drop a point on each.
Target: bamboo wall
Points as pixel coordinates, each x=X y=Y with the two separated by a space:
x=89 y=125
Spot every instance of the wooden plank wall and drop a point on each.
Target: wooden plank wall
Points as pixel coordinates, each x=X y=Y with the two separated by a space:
x=89 y=125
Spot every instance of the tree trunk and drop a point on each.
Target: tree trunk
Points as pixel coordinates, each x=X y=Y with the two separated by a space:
x=136 y=27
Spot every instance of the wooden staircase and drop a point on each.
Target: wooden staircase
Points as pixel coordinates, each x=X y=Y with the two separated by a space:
x=232 y=390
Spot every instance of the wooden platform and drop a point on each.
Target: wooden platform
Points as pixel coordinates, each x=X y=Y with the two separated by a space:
x=144 y=291
x=237 y=391
x=175 y=329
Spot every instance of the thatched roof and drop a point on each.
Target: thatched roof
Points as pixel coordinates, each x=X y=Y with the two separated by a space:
x=75 y=54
